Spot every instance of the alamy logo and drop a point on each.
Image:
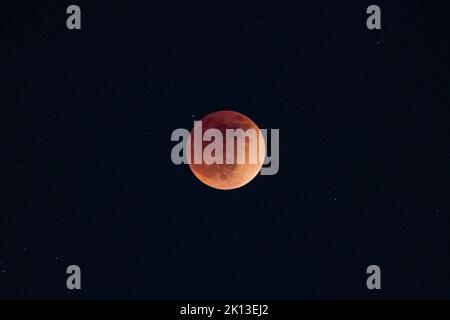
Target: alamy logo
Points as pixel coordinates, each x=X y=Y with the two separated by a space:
x=374 y=280
x=226 y=149
x=74 y=279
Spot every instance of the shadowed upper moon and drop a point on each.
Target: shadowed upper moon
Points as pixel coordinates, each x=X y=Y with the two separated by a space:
x=228 y=176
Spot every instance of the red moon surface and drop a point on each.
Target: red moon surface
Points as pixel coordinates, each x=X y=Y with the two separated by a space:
x=226 y=176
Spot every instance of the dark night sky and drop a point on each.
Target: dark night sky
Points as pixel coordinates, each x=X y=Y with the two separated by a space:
x=364 y=174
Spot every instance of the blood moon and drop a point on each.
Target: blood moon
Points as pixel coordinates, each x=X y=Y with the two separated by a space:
x=226 y=175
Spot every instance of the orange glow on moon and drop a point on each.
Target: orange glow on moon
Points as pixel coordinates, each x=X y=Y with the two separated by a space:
x=228 y=176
